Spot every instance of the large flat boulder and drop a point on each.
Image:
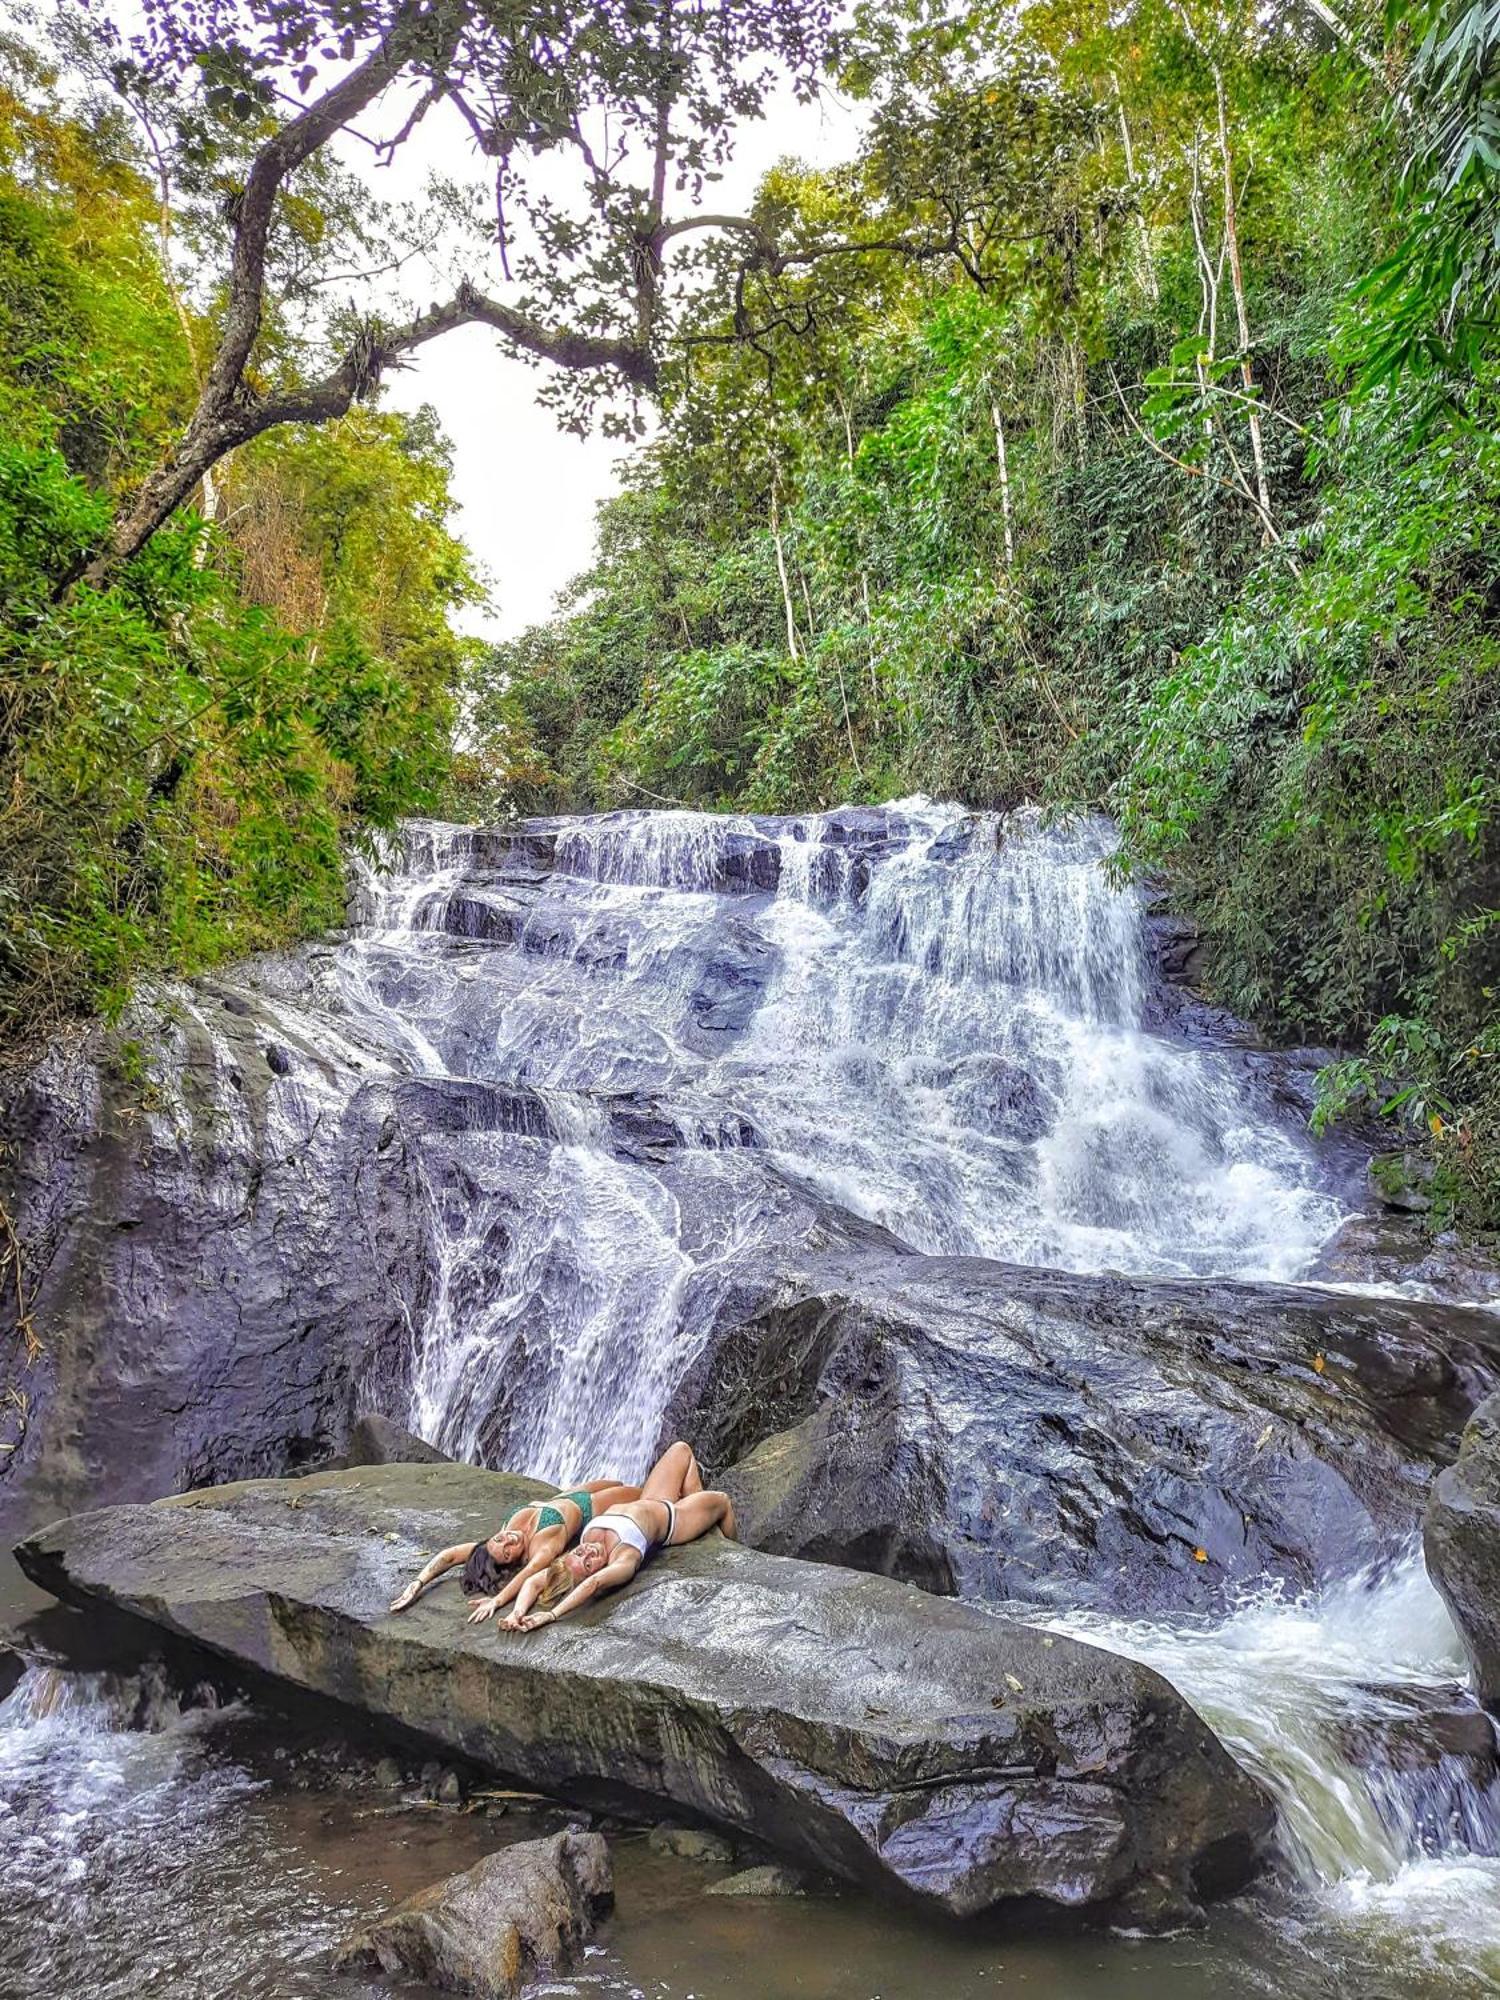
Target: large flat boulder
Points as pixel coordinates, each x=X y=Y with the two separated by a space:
x=1143 y=1446
x=1461 y=1540
x=858 y=1726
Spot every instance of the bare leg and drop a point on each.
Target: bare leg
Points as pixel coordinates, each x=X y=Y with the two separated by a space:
x=699 y=1512
x=674 y=1475
x=446 y=1559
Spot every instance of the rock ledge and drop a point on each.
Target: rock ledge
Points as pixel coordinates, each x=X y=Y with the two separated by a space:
x=853 y=1724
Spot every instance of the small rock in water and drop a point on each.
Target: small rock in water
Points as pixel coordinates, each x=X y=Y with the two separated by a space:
x=450 y=1789
x=430 y=1776
x=690 y=1843
x=277 y=1059
x=388 y=1774
x=516 y=1916
x=765 y=1881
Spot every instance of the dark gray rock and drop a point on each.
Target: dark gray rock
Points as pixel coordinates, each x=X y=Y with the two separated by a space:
x=1461 y=1540
x=513 y=1918
x=1041 y=1436
x=960 y=1759
x=224 y=1262
x=1390 y=1247
x=376 y=1440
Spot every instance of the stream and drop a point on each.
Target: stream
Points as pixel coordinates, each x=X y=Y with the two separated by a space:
x=941 y=1025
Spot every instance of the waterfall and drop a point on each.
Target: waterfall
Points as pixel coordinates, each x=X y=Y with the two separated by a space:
x=1351 y=1706
x=631 y=1056
x=930 y=1020
x=940 y=1023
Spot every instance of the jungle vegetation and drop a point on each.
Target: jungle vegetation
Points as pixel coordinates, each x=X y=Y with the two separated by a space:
x=1165 y=481
x=1117 y=429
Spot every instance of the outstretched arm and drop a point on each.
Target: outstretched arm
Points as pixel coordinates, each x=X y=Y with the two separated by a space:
x=611 y=1577
x=445 y=1559
x=488 y=1606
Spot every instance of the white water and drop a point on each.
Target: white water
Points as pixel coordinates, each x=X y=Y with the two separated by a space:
x=1323 y=1697
x=950 y=1040
x=945 y=1039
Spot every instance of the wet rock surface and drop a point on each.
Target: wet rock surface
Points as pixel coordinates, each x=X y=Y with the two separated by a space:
x=224 y=1262
x=956 y=1758
x=1461 y=1540
x=494 y=1930
x=526 y=1114
x=376 y=1440
x=1132 y=1445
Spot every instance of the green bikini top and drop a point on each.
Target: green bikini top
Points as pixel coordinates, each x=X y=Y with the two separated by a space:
x=549 y=1517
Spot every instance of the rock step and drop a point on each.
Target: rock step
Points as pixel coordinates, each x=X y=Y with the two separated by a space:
x=849 y=1723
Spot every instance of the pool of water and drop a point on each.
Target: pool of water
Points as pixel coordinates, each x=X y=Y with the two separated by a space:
x=195 y=1852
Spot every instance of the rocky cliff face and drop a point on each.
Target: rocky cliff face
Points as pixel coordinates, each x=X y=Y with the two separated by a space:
x=227 y=1241
x=1462 y=1540
x=1131 y=1445
x=596 y=1131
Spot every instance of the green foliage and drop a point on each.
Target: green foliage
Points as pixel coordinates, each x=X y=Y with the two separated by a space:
x=1295 y=718
x=186 y=752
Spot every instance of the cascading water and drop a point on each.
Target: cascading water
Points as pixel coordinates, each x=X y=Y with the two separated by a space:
x=937 y=1022
x=1350 y=1706
x=930 y=1019
x=644 y=1048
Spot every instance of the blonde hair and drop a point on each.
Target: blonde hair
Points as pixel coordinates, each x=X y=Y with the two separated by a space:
x=557 y=1581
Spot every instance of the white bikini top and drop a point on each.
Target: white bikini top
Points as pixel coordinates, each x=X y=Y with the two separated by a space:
x=626 y=1529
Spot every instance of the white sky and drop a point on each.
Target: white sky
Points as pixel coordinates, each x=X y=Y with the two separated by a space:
x=526 y=489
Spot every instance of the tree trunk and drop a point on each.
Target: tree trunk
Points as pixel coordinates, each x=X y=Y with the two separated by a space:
x=1143 y=234
x=1010 y=545
x=1237 y=279
x=794 y=651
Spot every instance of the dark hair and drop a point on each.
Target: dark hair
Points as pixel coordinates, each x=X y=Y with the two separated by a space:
x=483 y=1576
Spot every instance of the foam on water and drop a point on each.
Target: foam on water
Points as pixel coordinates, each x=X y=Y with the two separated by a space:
x=1337 y=1700
x=942 y=1032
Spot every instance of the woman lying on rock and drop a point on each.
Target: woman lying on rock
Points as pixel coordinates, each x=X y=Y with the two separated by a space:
x=532 y=1536
x=672 y=1508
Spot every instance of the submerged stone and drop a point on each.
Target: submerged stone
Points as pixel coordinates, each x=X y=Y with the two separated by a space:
x=495 y=1929
x=767 y=1880
x=849 y=1723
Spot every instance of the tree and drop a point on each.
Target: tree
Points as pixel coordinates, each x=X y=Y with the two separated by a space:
x=638 y=97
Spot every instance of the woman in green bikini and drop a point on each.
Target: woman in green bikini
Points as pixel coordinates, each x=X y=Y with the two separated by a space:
x=531 y=1537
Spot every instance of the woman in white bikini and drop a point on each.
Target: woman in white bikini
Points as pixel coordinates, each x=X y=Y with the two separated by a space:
x=673 y=1508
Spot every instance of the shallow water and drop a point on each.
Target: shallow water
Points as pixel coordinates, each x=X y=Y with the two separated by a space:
x=195 y=1858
